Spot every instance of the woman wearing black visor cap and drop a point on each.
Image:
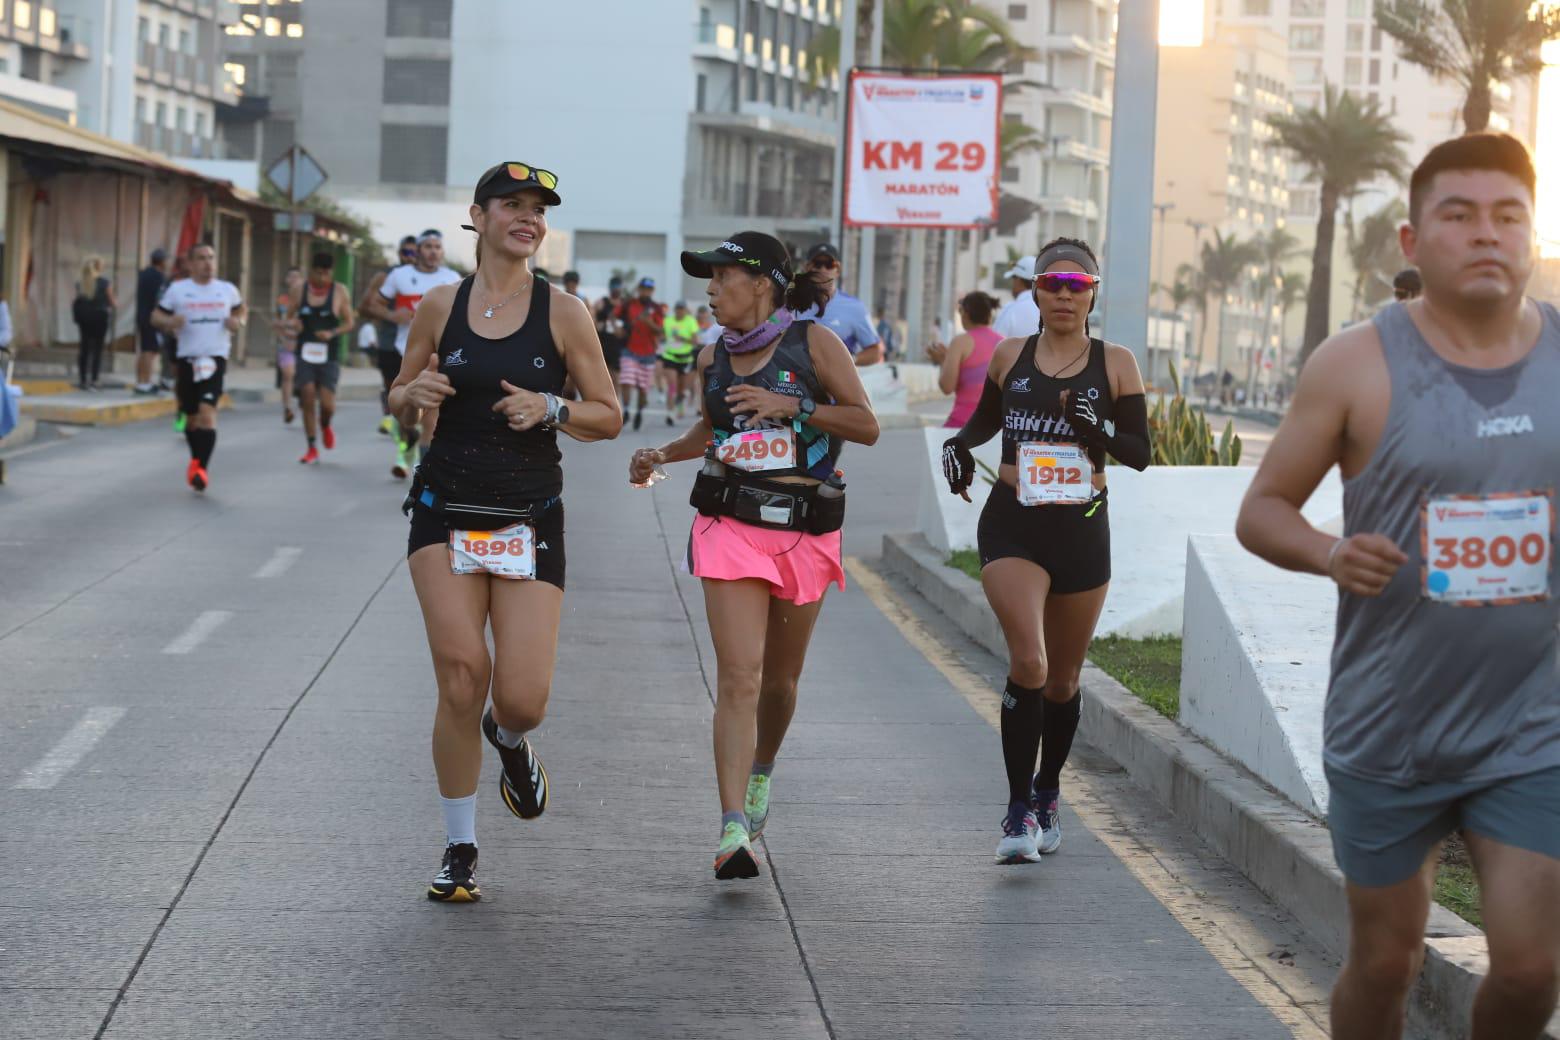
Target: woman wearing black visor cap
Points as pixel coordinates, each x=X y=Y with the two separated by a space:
x=1062 y=400
x=780 y=397
x=486 y=546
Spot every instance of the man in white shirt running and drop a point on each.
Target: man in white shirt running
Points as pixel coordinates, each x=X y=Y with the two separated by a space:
x=1021 y=317
x=402 y=291
x=201 y=312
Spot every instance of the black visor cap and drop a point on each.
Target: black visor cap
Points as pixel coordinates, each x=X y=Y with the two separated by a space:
x=755 y=251
x=499 y=181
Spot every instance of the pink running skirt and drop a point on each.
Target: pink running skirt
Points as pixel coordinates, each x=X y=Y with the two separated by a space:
x=799 y=567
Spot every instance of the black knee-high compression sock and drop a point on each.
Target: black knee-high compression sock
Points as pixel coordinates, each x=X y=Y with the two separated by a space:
x=1059 y=727
x=203 y=443
x=190 y=438
x=1022 y=712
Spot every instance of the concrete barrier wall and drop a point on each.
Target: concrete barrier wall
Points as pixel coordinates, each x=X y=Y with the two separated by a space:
x=1151 y=515
x=1254 y=666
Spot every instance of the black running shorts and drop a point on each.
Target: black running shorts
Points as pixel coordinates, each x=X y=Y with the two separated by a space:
x=1072 y=543
x=389 y=364
x=192 y=394
x=428 y=528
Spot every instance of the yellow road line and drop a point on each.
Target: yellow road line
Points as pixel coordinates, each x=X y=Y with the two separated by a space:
x=1239 y=946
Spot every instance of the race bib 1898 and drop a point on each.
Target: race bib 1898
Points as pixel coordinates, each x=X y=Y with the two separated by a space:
x=315 y=353
x=510 y=553
x=1487 y=550
x=1052 y=474
x=758 y=451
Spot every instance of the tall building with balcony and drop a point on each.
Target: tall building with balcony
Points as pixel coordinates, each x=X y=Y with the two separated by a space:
x=1057 y=184
x=667 y=130
x=1216 y=170
x=42 y=54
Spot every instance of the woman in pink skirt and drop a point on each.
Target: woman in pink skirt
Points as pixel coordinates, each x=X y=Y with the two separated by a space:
x=780 y=396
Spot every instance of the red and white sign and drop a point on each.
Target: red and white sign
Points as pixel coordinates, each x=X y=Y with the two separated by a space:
x=925 y=151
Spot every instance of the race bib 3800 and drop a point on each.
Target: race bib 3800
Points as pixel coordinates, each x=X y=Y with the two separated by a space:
x=1487 y=550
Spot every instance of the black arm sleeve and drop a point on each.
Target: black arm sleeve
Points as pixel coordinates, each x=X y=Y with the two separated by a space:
x=1130 y=445
x=986 y=422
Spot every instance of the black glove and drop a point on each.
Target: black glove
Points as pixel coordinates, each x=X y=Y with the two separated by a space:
x=958 y=466
x=1083 y=419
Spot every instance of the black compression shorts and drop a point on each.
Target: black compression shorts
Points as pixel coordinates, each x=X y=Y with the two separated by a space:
x=389 y=364
x=191 y=394
x=1072 y=543
x=428 y=528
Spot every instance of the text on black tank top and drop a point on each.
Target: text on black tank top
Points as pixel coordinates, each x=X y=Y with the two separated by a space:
x=1032 y=402
x=312 y=317
x=475 y=458
x=788 y=371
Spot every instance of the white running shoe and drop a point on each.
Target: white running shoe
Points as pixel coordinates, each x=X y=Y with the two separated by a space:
x=1020 y=835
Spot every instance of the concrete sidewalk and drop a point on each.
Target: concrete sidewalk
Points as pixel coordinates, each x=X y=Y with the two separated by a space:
x=245 y=851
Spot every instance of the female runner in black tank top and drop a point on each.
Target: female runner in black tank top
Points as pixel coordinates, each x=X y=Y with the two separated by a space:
x=763 y=587
x=1046 y=567
x=492 y=354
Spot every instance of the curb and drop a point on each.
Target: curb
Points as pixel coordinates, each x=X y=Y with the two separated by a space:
x=1279 y=848
x=42 y=409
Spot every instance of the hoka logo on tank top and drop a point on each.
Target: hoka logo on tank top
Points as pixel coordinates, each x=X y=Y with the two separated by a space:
x=1506 y=426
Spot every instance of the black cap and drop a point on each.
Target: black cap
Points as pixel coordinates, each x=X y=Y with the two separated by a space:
x=503 y=179
x=1408 y=279
x=823 y=249
x=571 y=276
x=159 y=255
x=758 y=252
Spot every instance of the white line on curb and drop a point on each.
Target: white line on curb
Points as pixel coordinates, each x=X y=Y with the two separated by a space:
x=70 y=750
x=279 y=562
x=199 y=629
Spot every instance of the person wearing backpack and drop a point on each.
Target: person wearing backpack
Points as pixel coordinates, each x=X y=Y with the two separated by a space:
x=92 y=310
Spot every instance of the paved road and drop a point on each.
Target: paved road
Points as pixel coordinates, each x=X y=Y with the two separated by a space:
x=218 y=816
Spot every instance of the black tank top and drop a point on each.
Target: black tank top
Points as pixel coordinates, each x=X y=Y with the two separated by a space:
x=475 y=458
x=312 y=317
x=1032 y=405
x=789 y=371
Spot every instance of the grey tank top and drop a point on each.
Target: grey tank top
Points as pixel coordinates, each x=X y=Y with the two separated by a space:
x=1425 y=691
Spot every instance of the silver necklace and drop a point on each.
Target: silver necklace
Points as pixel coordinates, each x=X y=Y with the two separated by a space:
x=500 y=304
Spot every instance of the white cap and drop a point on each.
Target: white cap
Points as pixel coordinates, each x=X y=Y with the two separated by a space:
x=1024 y=268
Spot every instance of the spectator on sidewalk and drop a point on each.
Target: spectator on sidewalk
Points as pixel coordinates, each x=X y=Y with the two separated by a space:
x=1021 y=317
x=92 y=310
x=148 y=341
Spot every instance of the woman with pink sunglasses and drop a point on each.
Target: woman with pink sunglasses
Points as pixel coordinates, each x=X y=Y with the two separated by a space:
x=1062 y=401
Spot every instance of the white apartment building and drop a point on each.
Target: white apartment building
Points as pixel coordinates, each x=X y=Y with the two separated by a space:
x=670 y=124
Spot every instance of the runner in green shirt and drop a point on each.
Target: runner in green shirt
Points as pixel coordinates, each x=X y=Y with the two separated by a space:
x=678 y=353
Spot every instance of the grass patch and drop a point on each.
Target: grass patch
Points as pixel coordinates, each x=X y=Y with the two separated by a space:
x=1150 y=668
x=966 y=560
x=1456 y=887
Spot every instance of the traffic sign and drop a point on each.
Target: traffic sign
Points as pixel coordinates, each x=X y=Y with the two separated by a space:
x=296 y=174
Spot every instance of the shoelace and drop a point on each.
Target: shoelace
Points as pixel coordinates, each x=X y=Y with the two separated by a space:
x=1013 y=823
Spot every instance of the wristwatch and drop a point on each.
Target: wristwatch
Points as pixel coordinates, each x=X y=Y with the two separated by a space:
x=563 y=414
x=804 y=411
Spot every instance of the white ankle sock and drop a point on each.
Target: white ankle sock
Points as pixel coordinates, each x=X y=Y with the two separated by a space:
x=509 y=738
x=460 y=819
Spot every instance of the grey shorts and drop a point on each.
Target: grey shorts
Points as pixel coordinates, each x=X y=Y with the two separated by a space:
x=1382 y=834
x=325 y=375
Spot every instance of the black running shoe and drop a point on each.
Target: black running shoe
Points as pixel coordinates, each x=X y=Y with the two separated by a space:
x=456 y=881
x=523 y=783
x=639 y=418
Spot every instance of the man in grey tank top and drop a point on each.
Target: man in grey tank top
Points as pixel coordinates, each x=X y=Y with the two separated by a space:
x=1443 y=711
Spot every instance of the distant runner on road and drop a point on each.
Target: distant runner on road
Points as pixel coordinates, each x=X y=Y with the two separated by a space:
x=202 y=312
x=322 y=312
x=1443 y=711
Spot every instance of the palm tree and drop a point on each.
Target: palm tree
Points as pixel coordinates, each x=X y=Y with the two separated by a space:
x=1346 y=144
x=1185 y=292
x=1475 y=43
x=1291 y=290
x=1270 y=250
x=1224 y=264
x=1376 y=254
x=1189 y=279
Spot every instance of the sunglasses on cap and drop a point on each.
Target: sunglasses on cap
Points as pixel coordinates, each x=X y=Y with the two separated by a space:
x=521 y=172
x=1073 y=281
x=824 y=262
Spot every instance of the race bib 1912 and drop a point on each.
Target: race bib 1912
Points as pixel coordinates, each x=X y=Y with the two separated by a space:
x=315 y=353
x=1487 y=550
x=1054 y=474
x=510 y=553
x=758 y=451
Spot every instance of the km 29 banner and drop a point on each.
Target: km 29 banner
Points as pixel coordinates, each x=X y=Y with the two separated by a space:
x=924 y=150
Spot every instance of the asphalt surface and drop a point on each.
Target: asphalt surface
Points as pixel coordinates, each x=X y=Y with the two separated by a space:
x=218 y=813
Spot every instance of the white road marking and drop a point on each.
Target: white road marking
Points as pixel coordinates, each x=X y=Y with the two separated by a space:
x=199 y=629
x=70 y=750
x=279 y=562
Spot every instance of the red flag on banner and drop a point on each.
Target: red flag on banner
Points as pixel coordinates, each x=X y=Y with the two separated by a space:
x=189 y=228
